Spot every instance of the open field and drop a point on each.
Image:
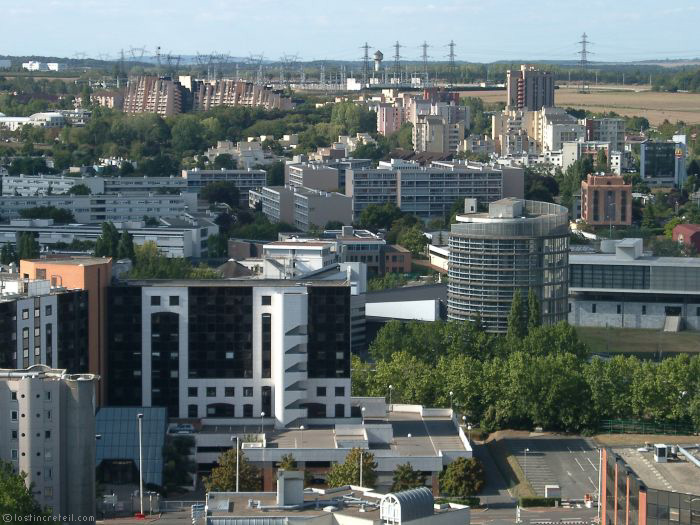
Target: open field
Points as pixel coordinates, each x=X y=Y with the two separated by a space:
x=638 y=341
x=643 y=103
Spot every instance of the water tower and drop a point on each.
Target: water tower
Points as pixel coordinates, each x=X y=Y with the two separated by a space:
x=378 y=57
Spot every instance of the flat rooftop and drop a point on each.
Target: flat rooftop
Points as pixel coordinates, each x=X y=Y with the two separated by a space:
x=644 y=260
x=428 y=435
x=242 y=282
x=75 y=261
x=677 y=475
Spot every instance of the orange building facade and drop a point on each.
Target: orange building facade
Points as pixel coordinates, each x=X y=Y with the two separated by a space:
x=86 y=273
x=606 y=200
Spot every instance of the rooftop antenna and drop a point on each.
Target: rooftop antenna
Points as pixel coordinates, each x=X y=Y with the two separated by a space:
x=583 y=62
x=451 y=57
x=397 y=62
x=365 y=64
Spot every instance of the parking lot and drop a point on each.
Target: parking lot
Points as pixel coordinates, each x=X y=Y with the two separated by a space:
x=551 y=459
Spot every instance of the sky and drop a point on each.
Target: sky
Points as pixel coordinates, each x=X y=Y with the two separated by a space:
x=483 y=31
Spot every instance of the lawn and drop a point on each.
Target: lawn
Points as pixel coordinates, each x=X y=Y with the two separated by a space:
x=638 y=341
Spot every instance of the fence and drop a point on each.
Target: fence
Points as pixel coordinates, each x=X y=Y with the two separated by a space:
x=636 y=426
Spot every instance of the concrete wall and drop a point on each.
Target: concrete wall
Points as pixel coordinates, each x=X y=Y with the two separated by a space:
x=630 y=315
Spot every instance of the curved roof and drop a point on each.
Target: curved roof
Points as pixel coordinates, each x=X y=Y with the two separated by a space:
x=415 y=503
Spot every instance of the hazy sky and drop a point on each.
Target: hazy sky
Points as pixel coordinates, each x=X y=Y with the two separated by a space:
x=315 y=29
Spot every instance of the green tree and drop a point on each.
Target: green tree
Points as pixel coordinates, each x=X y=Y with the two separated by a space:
x=178 y=468
x=125 y=247
x=414 y=240
x=8 y=254
x=463 y=478
x=15 y=496
x=406 y=478
x=534 y=313
x=601 y=161
x=223 y=476
x=288 y=462
x=79 y=189
x=517 y=320
x=107 y=244
x=376 y=216
x=275 y=174
x=221 y=191
x=224 y=161
x=348 y=472
x=28 y=246
x=217 y=245
x=59 y=215
x=188 y=135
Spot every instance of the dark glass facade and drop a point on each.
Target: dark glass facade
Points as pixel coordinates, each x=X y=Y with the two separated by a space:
x=124 y=345
x=72 y=337
x=328 y=332
x=609 y=276
x=266 y=345
x=659 y=159
x=220 y=332
x=8 y=335
x=165 y=351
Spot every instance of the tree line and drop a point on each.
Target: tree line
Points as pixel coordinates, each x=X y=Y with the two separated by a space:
x=532 y=376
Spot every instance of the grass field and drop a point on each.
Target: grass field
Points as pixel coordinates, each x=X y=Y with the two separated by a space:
x=638 y=341
x=656 y=107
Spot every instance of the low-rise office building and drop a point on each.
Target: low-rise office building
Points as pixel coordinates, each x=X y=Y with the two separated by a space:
x=662 y=163
x=185 y=236
x=49 y=421
x=43 y=185
x=625 y=288
x=109 y=207
x=315 y=176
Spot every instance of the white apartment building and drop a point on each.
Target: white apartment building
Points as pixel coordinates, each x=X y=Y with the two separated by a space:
x=606 y=129
x=184 y=236
x=49 y=433
x=51 y=119
x=300 y=256
x=305 y=208
x=314 y=175
x=34 y=185
x=240 y=351
x=247 y=155
x=519 y=132
x=430 y=191
x=244 y=179
x=100 y=208
x=44 y=66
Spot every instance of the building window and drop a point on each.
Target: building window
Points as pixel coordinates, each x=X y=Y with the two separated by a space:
x=247 y=410
x=569 y=307
x=174 y=300
x=25 y=314
x=48 y=492
x=619 y=308
x=697 y=311
x=47 y=434
x=321 y=391
x=37 y=312
x=192 y=391
x=48 y=309
x=340 y=391
x=13 y=415
x=266 y=345
x=13 y=396
x=266 y=300
x=229 y=391
x=211 y=391
x=14 y=454
x=191 y=410
x=247 y=391
x=14 y=434
x=644 y=309
x=155 y=300
x=593 y=308
x=339 y=410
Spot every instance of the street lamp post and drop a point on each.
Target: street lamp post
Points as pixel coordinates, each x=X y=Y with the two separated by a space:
x=469 y=428
x=262 y=415
x=237 y=469
x=526 y=451
x=140 y=419
x=363 y=415
x=451 y=394
x=391 y=387
x=301 y=428
x=361 y=467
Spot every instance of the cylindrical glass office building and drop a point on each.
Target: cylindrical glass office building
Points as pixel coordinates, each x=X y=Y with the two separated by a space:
x=518 y=244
